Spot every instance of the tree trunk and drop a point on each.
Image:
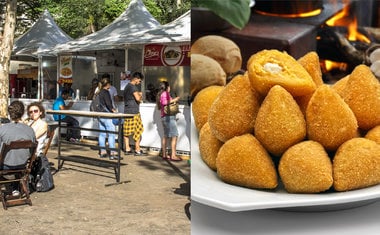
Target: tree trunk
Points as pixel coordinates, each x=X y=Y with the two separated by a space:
x=6 y=47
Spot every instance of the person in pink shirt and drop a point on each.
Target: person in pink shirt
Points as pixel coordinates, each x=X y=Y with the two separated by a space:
x=168 y=122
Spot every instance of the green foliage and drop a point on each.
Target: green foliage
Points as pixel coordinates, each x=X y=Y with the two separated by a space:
x=79 y=18
x=170 y=10
x=236 y=12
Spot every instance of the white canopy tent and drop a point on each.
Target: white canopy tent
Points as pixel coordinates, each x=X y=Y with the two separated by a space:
x=177 y=31
x=135 y=19
x=42 y=36
x=37 y=42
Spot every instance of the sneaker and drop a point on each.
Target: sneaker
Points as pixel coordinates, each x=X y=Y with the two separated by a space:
x=140 y=153
x=115 y=157
x=103 y=155
x=15 y=193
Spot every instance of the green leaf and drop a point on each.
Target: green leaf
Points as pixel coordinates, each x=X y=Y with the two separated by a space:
x=235 y=12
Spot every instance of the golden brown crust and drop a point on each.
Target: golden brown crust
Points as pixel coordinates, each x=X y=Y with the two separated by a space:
x=221 y=49
x=356 y=164
x=310 y=62
x=272 y=67
x=279 y=122
x=306 y=168
x=340 y=85
x=205 y=72
x=374 y=134
x=243 y=161
x=329 y=120
x=362 y=94
x=202 y=103
x=234 y=111
x=209 y=146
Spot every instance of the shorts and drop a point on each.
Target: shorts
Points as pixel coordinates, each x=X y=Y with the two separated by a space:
x=133 y=126
x=170 y=126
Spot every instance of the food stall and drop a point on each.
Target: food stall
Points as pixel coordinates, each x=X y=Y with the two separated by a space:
x=109 y=51
x=32 y=62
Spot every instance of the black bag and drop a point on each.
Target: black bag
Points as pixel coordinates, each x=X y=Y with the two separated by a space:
x=95 y=105
x=41 y=179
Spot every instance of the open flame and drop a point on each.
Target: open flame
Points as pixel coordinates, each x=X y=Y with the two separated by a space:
x=328 y=65
x=298 y=15
x=344 y=18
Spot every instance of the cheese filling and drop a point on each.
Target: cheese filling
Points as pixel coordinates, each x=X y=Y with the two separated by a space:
x=272 y=68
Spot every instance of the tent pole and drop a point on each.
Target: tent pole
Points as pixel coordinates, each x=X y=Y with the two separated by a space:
x=126 y=59
x=58 y=73
x=40 y=84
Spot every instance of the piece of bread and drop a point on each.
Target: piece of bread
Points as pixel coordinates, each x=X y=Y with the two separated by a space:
x=234 y=111
x=243 y=161
x=279 y=123
x=268 y=68
x=202 y=103
x=310 y=62
x=209 y=146
x=374 y=134
x=221 y=49
x=329 y=120
x=306 y=168
x=356 y=164
x=205 y=72
x=362 y=94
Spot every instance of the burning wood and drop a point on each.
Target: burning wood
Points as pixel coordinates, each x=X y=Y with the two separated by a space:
x=333 y=44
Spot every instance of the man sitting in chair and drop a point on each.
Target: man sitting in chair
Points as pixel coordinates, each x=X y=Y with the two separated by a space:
x=16 y=130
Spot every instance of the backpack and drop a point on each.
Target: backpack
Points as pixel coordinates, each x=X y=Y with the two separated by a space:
x=41 y=178
x=95 y=105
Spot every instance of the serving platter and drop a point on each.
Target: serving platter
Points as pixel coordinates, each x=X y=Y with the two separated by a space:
x=208 y=189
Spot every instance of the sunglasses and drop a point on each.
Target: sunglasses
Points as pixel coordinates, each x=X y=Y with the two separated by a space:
x=34 y=111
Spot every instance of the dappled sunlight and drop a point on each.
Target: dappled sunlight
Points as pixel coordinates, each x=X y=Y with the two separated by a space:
x=40 y=38
x=134 y=20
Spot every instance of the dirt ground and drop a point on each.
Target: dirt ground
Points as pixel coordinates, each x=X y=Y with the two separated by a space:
x=152 y=198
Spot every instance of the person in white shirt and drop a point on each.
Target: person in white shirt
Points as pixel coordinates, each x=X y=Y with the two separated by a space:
x=36 y=114
x=125 y=78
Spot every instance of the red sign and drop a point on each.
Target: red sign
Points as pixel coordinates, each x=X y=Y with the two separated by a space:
x=163 y=55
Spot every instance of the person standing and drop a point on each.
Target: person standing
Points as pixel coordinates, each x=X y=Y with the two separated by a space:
x=94 y=85
x=132 y=100
x=124 y=79
x=59 y=104
x=36 y=114
x=112 y=90
x=105 y=124
x=169 y=122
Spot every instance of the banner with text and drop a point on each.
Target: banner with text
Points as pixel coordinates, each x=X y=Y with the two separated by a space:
x=163 y=55
x=66 y=70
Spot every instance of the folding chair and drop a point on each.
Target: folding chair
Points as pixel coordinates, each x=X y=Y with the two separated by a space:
x=20 y=176
x=49 y=137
